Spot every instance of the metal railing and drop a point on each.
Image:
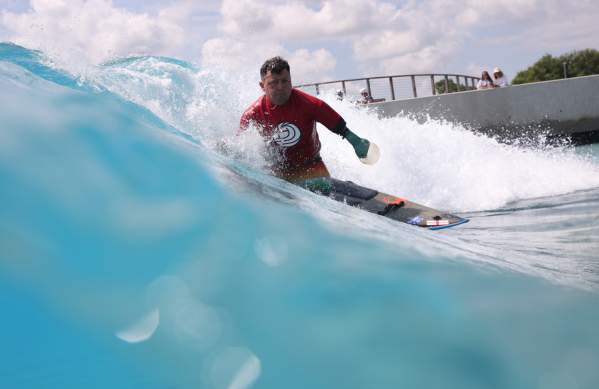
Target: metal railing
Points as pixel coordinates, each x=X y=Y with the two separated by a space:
x=402 y=86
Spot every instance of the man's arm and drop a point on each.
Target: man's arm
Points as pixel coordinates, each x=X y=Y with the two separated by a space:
x=224 y=145
x=360 y=145
x=245 y=120
x=335 y=123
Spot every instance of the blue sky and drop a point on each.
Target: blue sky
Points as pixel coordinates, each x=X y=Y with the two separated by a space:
x=323 y=40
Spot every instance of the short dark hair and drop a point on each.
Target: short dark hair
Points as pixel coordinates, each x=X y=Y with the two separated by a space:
x=274 y=65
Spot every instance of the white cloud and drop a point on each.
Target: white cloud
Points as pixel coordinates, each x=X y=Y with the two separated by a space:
x=335 y=19
x=382 y=36
x=245 y=17
x=311 y=66
x=236 y=55
x=506 y=9
x=295 y=21
x=425 y=36
x=559 y=28
x=386 y=44
x=257 y=29
x=427 y=59
x=96 y=30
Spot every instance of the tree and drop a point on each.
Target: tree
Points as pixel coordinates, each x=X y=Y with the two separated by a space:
x=578 y=63
x=452 y=86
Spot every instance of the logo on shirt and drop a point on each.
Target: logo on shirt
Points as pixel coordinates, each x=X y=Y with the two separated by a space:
x=286 y=135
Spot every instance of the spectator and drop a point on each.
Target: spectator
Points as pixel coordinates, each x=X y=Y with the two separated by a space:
x=366 y=98
x=485 y=82
x=500 y=79
x=339 y=94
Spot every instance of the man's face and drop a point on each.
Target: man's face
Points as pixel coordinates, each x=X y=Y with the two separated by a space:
x=277 y=86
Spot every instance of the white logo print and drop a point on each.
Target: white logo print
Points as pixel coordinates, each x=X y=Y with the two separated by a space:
x=286 y=135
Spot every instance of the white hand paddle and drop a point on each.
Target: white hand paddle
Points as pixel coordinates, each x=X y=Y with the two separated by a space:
x=373 y=155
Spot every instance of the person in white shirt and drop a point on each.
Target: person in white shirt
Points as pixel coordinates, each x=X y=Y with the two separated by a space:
x=500 y=79
x=485 y=82
x=366 y=98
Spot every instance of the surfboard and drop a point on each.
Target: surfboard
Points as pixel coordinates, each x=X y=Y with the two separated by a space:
x=390 y=206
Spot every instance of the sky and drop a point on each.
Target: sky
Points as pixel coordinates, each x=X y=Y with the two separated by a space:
x=322 y=40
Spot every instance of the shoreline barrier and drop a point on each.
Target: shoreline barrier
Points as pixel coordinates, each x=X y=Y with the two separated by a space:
x=558 y=109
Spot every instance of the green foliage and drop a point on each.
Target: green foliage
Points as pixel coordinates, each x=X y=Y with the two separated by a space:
x=452 y=86
x=579 y=63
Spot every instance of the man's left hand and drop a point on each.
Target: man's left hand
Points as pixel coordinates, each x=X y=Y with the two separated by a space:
x=360 y=145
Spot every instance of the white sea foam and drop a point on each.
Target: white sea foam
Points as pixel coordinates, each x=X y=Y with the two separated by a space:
x=446 y=166
x=434 y=163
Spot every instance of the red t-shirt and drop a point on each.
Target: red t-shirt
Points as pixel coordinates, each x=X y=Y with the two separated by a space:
x=291 y=128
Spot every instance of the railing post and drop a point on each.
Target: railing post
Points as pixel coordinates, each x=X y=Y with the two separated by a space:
x=446 y=83
x=457 y=81
x=368 y=87
x=343 y=87
x=392 y=88
x=317 y=90
x=433 y=84
x=414 y=85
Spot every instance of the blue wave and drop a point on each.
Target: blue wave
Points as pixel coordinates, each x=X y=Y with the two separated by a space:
x=134 y=256
x=35 y=62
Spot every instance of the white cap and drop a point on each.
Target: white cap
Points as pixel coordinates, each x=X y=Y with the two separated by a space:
x=363 y=90
x=496 y=70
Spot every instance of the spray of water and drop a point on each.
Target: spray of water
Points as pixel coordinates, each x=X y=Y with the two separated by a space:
x=434 y=163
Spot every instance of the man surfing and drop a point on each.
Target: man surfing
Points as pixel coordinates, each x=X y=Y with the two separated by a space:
x=286 y=118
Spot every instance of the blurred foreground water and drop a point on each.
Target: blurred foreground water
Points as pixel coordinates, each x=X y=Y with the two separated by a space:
x=134 y=255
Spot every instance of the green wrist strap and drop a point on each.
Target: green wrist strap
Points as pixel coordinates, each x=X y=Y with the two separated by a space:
x=360 y=145
x=319 y=184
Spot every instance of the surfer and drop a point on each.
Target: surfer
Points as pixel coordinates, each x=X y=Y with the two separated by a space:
x=286 y=118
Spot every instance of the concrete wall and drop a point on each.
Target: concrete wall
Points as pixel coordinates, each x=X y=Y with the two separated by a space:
x=568 y=107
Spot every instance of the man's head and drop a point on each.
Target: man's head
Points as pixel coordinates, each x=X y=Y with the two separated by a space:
x=497 y=73
x=275 y=80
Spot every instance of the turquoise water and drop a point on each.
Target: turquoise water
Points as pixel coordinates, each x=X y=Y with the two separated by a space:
x=134 y=255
